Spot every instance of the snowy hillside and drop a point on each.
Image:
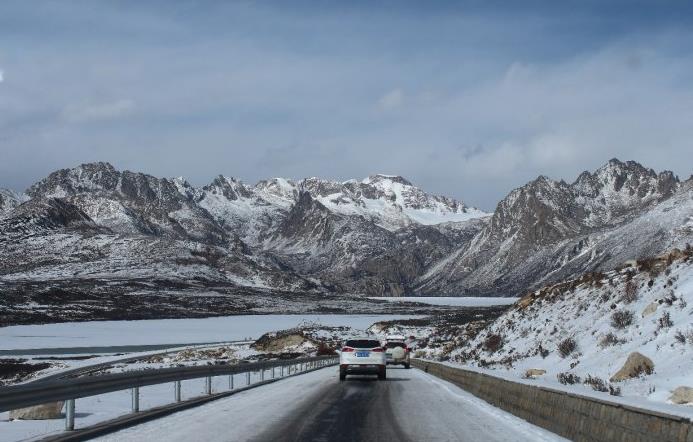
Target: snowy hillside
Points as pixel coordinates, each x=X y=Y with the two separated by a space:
x=586 y=328
x=548 y=230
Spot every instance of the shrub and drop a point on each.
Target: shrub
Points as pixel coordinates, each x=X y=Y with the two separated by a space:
x=596 y=383
x=567 y=347
x=610 y=339
x=566 y=378
x=684 y=337
x=622 y=318
x=630 y=293
x=665 y=321
x=493 y=343
x=679 y=336
x=543 y=351
x=325 y=350
x=670 y=298
x=614 y=391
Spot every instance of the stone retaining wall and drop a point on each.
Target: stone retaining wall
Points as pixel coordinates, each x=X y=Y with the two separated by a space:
x=570 y=415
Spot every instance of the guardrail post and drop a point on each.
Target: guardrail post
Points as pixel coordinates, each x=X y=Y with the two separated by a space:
x=282 y=371
x=69 y=415
x=231 y=382
x=208 y=385
x=247 y=378
x=262 y=374
x=135 y=399
x=176 y=391
x=273 y=372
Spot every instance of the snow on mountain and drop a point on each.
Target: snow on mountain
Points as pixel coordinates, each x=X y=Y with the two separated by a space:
x=10 y=199
x=354 y=236
x=589 y=326
x=390 y=201
x=547 y=230
x=380 y=236
x=129 y=202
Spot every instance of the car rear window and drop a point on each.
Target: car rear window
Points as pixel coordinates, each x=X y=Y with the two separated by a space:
x=395 y=345
x=362 y=343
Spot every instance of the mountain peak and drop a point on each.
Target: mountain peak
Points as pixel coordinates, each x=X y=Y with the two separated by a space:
x=380 y=177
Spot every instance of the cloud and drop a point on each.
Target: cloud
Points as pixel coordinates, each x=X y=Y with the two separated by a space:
x=101 y=111
x=2 y=75
x=391 y=100
x=467 y=102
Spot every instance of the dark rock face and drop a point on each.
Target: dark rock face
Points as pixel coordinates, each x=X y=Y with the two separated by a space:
x=379 y=236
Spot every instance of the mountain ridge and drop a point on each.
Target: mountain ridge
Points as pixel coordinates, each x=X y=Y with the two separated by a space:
x=377 y=236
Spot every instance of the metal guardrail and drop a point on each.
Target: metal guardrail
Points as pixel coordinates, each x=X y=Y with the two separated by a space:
x=37 y=393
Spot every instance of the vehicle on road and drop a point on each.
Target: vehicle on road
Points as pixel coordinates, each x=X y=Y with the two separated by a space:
x=397 y=351
x=362 y=356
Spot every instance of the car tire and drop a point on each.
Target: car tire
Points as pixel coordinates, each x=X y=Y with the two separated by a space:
x=382 y=374
x=407 y=365
x=342 y=375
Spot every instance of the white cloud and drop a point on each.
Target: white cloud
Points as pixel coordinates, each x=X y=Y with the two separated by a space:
x=2 y=75
x=391 y=100
x=101 y=111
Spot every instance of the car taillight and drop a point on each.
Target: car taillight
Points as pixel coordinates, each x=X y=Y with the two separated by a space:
x=406 y=349
x=347 y=349
x=378 y=350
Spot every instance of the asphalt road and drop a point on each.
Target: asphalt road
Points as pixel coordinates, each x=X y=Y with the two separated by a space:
x=409 y=406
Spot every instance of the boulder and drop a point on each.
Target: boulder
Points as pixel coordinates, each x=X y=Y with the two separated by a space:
x=38 y=412
x=682 y=395
x=534 y=372
x=282 y=341
x=636 y=365
x=650 y=309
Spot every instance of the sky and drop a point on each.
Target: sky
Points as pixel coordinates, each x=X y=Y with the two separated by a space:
x=464 y=99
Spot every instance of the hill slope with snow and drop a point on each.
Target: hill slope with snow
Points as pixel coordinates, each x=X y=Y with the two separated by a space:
x=590 y=325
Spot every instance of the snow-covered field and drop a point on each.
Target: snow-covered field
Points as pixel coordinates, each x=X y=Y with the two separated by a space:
x=169 y=331
x=457 y=301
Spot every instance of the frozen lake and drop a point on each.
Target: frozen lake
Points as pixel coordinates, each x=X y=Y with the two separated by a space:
x=457 y=301
x=168 y=331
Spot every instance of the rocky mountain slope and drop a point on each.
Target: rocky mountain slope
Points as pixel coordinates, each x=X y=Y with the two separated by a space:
x=93 y=224
x=547 y=230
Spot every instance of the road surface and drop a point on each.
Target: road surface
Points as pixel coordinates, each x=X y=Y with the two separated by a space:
x=409 y=406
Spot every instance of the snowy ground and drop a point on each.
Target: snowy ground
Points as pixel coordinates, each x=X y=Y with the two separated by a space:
x=655 y=297
x=95 y=409
x=169 y=331
x=457 y=301
x=316 y=406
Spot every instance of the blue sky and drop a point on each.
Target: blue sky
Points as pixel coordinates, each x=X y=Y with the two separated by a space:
x=467 y=99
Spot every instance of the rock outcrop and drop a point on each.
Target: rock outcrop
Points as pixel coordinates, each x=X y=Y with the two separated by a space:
x=635 y=366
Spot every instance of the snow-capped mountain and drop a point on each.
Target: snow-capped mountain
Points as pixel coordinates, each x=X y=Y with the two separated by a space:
x=374 y=236
x=130 y=203
x=380 y=236
x=390 y=202
x=548 y=229
x=9 y=200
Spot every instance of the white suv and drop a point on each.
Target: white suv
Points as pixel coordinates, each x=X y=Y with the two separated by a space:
x=397 y=351
x=362 y=356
